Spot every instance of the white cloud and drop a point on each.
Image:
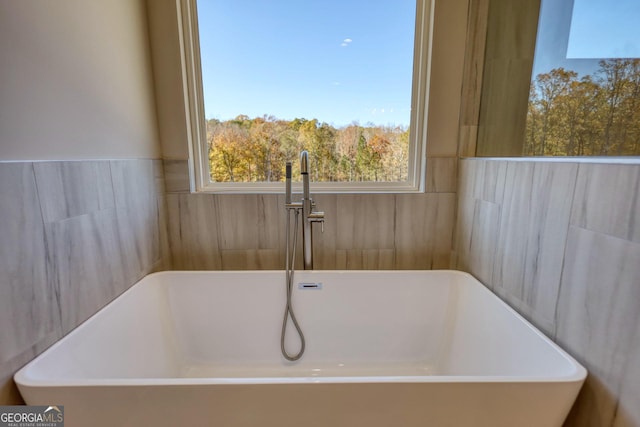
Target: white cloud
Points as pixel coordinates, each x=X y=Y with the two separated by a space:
x=347 y=40
x=344 y=44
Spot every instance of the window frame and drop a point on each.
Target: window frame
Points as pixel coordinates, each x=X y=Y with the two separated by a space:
x=196 y=122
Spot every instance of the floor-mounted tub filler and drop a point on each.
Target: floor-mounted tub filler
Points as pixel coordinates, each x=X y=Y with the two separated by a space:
x=392 y=348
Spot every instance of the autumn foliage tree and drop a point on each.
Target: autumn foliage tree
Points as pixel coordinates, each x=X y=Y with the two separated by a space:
x=256 y=150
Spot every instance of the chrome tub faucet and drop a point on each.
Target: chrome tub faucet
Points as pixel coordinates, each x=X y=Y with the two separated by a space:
x=307 y=205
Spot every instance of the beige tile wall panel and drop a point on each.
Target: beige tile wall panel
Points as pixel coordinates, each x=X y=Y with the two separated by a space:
x=73 y=236
x=565 y=256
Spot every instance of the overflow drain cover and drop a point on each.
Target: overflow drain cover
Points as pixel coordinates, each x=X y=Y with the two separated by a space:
x=306 y=286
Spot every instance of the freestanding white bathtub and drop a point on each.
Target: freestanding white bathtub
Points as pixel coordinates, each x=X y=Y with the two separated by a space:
x=395 y=348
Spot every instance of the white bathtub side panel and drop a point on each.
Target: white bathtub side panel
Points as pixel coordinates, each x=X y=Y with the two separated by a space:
x=314 y=405
x=489 y=338
x=236 y=318
x=129 y=338
x=378 y=318
x=226 y=318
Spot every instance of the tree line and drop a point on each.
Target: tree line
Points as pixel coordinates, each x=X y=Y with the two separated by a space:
x=256 y=149
x=595 y=115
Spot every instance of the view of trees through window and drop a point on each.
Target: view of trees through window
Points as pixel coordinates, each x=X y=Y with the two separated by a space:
x=256 y=150
x=584 y=93
x=327 y=76
x=594 y=115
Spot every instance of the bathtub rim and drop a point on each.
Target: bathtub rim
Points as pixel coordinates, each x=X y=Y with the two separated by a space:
x=578 y=374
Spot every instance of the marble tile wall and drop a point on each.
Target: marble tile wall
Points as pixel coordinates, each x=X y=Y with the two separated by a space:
x=560 y=243
x=362 y=231
x=73 y=236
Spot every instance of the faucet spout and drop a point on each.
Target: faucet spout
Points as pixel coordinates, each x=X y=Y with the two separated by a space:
x=309 y=216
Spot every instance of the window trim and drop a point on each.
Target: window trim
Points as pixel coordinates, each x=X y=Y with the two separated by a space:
x=196 y=126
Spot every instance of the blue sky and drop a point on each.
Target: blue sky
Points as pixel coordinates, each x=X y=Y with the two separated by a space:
x=337 y=61
x=604 y=29
x=577 y=34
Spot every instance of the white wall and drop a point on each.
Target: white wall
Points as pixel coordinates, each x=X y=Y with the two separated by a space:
x=76 y=80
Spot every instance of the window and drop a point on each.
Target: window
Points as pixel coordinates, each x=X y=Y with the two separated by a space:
x=585 y=90
x=345 y=80
x=561 y=78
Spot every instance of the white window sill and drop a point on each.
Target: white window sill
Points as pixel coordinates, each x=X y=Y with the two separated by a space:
x=630 y=160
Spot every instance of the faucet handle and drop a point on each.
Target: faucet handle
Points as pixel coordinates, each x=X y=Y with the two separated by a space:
x=317 y=217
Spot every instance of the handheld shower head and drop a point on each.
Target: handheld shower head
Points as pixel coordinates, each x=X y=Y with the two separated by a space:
x=287 y=198
x=304 y=171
